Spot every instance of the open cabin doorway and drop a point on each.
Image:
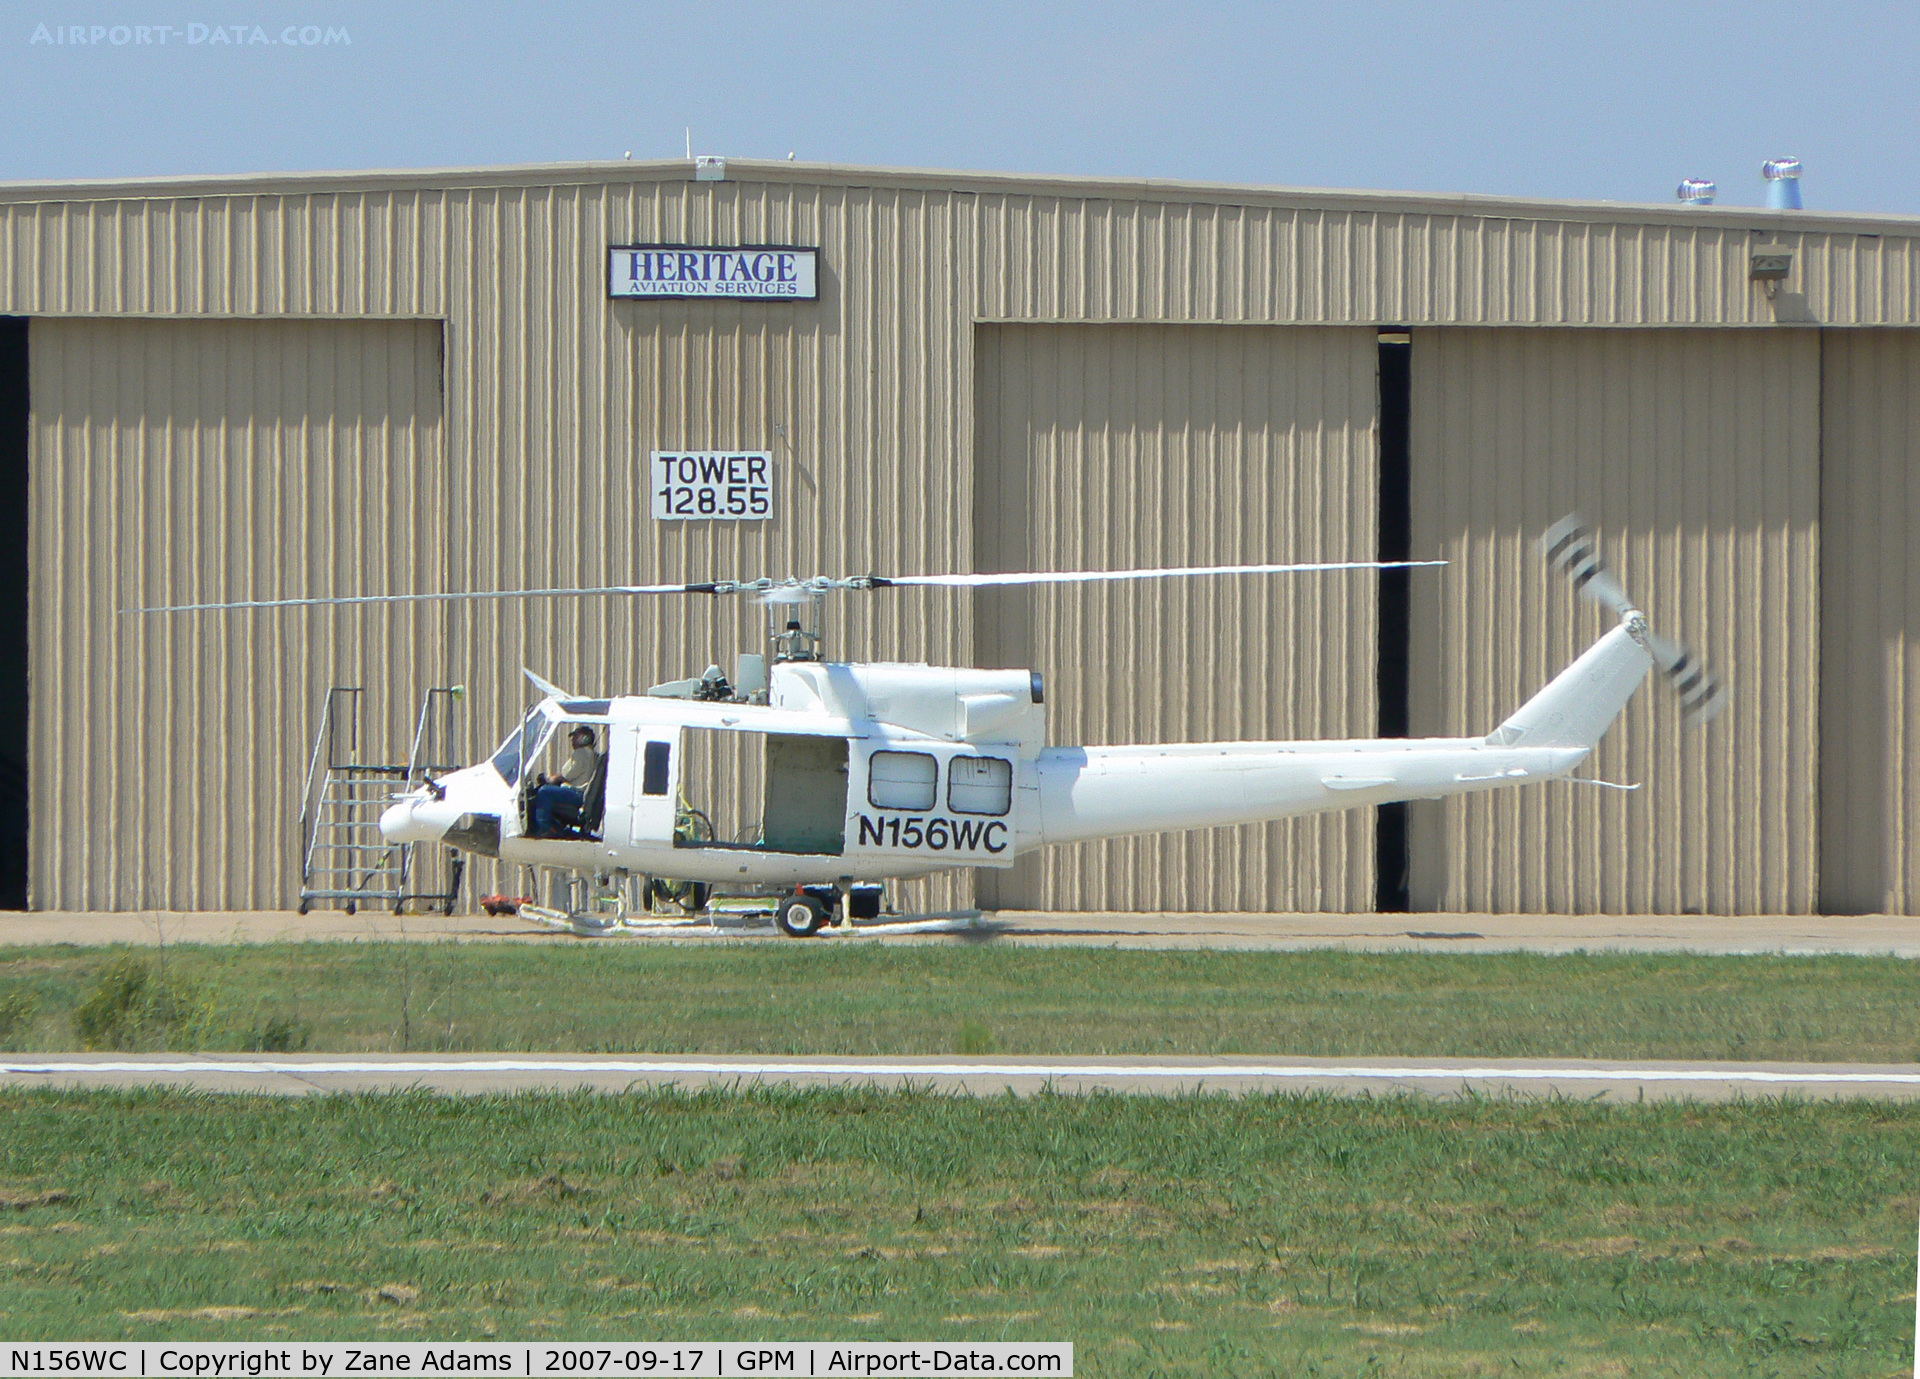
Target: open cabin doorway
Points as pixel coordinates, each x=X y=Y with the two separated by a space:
x=771 y=792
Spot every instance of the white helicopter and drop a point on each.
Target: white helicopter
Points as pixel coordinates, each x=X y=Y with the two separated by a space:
x=885 y=771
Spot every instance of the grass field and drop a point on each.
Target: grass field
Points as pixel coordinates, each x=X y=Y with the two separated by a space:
x=793 y=998
x=1208 y=1236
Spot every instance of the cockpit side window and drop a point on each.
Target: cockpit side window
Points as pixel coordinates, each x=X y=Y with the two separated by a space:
x=522 y=747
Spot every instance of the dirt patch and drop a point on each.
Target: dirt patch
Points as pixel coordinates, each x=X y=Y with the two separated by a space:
x=1601 y=1247
x=1192 y=1289
x=554 y=1187
x=27 y=1200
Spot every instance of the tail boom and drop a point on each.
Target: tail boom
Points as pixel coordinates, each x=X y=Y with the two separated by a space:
x=1106 y=792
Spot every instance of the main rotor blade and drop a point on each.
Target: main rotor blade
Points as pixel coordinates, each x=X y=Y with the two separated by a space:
x=427 y=598
x=546 y=686
x=1102 y=576
x=796 y=590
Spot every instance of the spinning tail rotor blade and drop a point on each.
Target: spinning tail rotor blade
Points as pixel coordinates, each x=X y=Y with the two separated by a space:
x=1702 y=696
x=1572 y=546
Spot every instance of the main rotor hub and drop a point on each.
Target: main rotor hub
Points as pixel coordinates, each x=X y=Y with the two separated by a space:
x=794 y=614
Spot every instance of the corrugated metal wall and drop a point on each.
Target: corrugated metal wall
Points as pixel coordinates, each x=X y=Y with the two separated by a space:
x=1870 y=622
x=557 y=394
x=1014 y=249
x=1697 y=455
x=561 y=395
x=1125 y=447
x=1088 y=257
x=177 y=462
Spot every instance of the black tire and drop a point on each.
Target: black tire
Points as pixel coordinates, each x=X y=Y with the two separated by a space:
x=800 y=916
x=305 y=905
x=690 y=896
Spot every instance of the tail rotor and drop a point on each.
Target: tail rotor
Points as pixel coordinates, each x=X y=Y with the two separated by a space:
x=1572 y=546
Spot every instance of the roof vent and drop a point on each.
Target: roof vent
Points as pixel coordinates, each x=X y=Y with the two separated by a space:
x=1697 y=191
x=1783 y=183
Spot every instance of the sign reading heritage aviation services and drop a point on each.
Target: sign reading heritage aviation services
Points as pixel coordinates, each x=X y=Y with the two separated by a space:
x=766 y=272
x=723 y=485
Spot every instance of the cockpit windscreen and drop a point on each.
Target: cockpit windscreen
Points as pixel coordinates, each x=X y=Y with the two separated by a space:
x=523 y=746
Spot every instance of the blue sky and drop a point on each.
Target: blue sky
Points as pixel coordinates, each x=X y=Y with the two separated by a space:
x=1598 y=101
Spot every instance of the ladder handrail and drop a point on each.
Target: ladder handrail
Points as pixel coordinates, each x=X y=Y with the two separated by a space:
x=307 y=802
x=385 y=877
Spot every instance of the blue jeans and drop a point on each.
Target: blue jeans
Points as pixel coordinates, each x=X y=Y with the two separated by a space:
x=549 y=798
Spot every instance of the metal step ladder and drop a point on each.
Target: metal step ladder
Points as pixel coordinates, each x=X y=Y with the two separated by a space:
x=343 y=858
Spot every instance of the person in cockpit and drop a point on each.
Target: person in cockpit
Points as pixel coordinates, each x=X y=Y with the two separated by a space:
x=561 y=797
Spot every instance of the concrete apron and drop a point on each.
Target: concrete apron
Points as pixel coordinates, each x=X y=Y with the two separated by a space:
x=1868 y=935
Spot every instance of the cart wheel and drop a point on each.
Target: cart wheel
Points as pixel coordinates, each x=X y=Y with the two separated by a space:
x=800 y=916
x=305 y=904
x=690 y=896
x=353 y=907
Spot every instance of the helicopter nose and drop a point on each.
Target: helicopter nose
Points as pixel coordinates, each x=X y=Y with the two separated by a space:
x=420 y=820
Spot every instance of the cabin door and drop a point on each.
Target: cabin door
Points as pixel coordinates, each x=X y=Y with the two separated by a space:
x=642 y=785
x=806 y=808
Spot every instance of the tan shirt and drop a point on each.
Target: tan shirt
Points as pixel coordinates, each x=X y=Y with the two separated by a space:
x=578 y=769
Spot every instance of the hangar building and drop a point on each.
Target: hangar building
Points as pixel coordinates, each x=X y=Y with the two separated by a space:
x=273 y=386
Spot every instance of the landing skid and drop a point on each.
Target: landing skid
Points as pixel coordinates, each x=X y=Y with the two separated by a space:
x=741 y=923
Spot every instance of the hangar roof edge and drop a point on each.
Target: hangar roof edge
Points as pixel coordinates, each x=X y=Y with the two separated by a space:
x=740 y=170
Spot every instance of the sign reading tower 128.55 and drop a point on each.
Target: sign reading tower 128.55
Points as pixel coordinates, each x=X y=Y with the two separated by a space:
x=754 y=272
x=712 y=485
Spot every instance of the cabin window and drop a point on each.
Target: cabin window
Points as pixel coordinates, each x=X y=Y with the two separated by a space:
x=653 y=768
x=980 y=785
x=902 y=780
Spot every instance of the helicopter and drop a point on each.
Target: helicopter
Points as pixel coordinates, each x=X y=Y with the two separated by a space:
x=882 y=771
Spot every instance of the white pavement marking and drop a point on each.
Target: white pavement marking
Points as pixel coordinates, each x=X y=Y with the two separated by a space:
x=311 y=1066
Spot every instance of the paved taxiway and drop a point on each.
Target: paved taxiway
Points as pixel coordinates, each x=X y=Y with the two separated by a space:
x=1877 y=935
x=301 y=1074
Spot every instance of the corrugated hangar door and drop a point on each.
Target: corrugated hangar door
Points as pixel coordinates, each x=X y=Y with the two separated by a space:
x=202 y=461
x=1114 y=447
x=1870 y=622
x=1696 y=453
